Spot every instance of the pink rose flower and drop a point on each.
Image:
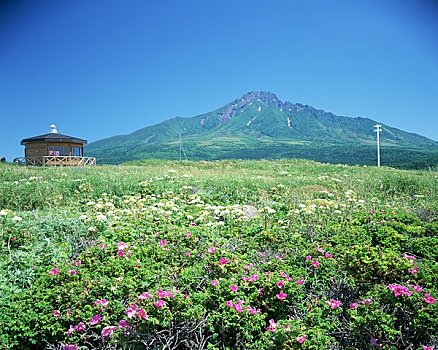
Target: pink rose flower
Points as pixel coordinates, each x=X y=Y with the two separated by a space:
x=281 y=295
x=414 y=270
x=70 y=347
x=95 y=319
x=80 y=327
x=56 y=313
x=272 y=326
x=399 y=290
x=54 y=271
x=354 y=306
x=101 y=302
x=123 y=324
x=142 y=314
x=159 y=303
x=251 y=310
x=223 y=261
x=428 y=299
x=144 y=296
x=70 y=330
x=333 y=303
x=107 y=332
x=238 y=307
x=121 y=246
x=301 y=339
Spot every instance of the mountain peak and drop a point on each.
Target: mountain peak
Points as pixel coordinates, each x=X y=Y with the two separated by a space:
x=259 y=124
x=263 y=96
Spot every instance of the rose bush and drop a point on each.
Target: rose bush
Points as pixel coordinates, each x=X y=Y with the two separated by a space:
x=187 y=260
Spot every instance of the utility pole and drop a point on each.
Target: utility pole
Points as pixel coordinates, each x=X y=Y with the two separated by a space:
x=180 y=147
x=378 y=129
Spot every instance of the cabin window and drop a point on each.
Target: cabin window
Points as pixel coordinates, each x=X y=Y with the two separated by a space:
x=59 y=151
x=76 y=151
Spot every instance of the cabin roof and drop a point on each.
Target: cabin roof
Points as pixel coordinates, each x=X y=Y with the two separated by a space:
x=53 y=137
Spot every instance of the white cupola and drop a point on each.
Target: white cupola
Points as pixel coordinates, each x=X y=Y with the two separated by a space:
x=53 y=129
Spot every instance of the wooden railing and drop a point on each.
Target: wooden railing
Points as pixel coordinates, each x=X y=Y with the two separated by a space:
x=57 y=161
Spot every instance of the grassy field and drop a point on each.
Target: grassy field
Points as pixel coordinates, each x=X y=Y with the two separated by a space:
x=283 y=254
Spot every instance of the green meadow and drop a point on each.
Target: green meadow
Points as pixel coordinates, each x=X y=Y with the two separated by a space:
x=280 y=254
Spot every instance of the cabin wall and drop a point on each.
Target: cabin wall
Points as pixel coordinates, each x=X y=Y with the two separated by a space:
x=36 y=149
x=41 y=149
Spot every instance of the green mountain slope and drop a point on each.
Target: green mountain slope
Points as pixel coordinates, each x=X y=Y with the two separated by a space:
x=259 y=125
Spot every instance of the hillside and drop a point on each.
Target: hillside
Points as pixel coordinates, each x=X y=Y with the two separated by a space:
x=259 y=125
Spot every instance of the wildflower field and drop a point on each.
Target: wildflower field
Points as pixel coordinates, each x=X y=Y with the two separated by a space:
x=283 y=254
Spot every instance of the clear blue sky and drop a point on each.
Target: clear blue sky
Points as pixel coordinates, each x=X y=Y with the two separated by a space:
x=105 y=67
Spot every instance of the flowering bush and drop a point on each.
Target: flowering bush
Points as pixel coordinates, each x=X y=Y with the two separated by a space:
x=185 y=261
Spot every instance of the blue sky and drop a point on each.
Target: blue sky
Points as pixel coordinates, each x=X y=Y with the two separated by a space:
x=106 y=67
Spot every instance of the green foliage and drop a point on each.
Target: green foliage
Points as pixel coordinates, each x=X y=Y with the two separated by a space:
x=218 y=255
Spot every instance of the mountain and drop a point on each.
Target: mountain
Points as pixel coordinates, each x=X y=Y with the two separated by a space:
x=259 y=125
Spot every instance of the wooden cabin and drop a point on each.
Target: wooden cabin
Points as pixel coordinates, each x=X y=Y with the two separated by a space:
x=55 y=149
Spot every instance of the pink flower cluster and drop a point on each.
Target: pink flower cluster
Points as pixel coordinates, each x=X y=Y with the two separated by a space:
x=121 y=249
x=399 y=290
x=285 y=275
x=364 y=302
x=333 y=303
x=281 y=296
x=133 y=311
x=107 y=332
x=411 y=259
x=238 y=307
x=80 y=327
x=102 y=302
x=164 y=294
x=95 y=320
x=223 y=261
x=70 y=347
x=428 y=299
x=301 y=339
x=54 y=271
x=326 y=254
x=273 y=326
x=251 y=278
x=144 y=296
